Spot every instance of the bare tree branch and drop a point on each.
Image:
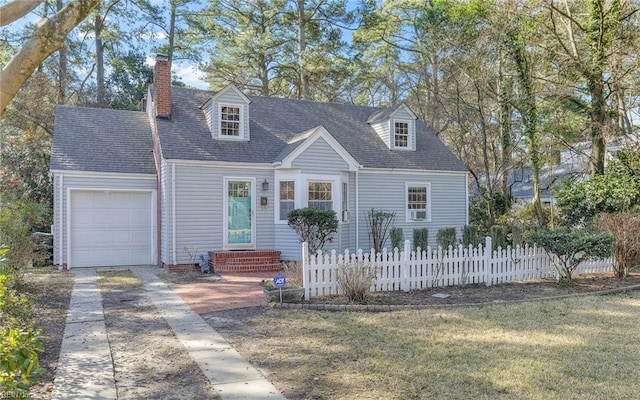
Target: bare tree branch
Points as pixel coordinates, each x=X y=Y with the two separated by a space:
x=48 y=37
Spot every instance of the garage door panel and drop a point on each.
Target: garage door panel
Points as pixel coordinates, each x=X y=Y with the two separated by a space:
x=110 y=228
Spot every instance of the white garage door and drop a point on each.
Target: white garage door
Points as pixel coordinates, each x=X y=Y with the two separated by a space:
x=110 y=228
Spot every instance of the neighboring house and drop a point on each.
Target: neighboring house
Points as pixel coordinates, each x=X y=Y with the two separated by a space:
x=521 y=182
x=202 y=171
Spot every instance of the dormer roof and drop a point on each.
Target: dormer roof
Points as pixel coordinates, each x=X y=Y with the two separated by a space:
x=387 y=113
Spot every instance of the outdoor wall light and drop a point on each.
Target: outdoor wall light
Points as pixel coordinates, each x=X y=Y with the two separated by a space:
x=265 y=185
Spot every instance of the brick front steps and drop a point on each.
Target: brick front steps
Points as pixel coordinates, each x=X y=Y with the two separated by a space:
x=221 y=261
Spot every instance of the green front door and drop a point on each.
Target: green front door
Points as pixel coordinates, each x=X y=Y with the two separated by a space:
x=239 y=226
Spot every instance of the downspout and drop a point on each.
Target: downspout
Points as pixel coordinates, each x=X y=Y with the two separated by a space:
x=60 y=218
x=466 y=216
x=357 y=210
x=173 y=211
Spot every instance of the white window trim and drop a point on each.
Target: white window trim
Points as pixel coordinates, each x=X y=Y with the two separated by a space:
x=242 y=136
x=297 y=181
x=302 y=192
x=426 y=185
x=410 y=134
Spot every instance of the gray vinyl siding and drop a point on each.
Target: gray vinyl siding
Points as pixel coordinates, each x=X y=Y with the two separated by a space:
x=85 y=182
x=448 y=202
x=287 y=242
x=382 y=129
x=165 y=195
x=200 y=210
x=320 y=158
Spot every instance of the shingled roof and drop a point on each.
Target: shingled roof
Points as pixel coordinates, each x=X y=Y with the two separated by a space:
x=274 y=121
x=102 y=140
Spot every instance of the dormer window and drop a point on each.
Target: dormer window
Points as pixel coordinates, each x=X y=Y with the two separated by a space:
x=396 y=126
x=401 y=134
x=227 y=115
x=230 y=120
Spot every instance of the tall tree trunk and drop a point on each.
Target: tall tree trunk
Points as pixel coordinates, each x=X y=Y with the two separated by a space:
x=303 y=90
x=63 y=73
x=504 y=87
x=172 y=30
x=598 y=124
x=101 y=95
x=529 y=113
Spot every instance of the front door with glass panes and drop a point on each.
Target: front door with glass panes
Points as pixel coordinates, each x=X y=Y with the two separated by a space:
x=240 y=219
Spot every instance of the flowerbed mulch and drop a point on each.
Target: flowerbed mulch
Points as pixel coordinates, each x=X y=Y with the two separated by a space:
x=480 y=294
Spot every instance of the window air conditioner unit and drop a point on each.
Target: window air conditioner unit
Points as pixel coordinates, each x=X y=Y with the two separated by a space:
x=418 y=214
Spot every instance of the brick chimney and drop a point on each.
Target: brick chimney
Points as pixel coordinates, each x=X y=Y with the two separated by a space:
x=162 y=86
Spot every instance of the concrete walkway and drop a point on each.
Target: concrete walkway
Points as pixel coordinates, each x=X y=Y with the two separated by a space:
x=85 y=366
x=85 y=369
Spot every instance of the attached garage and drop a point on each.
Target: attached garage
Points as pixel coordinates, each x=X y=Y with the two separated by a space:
x=110 y=228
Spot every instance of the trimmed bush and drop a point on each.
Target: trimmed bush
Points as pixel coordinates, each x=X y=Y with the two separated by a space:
x=471 y=235
x=498 y=235
x=397 y=237
x=420 y=238
x=446 y=237
x=316 y=227
x=571 y=248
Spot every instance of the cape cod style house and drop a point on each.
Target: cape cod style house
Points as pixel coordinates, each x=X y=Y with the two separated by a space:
x=200 y=171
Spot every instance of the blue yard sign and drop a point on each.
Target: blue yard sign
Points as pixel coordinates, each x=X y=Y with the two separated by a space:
x=279 y=281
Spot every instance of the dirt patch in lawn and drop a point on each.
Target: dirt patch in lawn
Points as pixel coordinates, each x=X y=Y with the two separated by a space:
x=149 y=360
x=51 y=293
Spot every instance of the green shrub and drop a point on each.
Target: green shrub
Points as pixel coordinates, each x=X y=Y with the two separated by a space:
x=498 y=235
x=355 y=281
x=571 y=248
x=446 y=237
x=397 y=237
x=19 y=361
x=19 y=342
x=617 y=190
x=316 y=227
x=17 y=222
x=471 y=235
x=420 y=238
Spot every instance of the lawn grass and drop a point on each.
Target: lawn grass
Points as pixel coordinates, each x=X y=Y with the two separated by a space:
x=579 y=348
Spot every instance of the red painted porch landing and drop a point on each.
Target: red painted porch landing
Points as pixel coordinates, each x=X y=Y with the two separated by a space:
x=226 y=261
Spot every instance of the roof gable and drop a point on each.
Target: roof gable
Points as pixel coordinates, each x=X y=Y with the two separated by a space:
x=300 y=143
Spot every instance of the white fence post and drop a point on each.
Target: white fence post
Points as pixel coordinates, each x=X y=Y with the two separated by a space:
x=405 y=265
x=305 y=273
x=487 y=260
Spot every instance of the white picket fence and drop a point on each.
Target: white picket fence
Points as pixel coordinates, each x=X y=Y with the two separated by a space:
x=407 y=270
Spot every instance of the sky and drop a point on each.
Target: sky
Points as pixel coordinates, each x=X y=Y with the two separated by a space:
x=187 y=71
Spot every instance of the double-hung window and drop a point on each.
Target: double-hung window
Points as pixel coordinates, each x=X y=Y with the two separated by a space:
x=320 y=195
x=417 y=202
x=230 y=121
x=287 y=198
x=401 y=134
